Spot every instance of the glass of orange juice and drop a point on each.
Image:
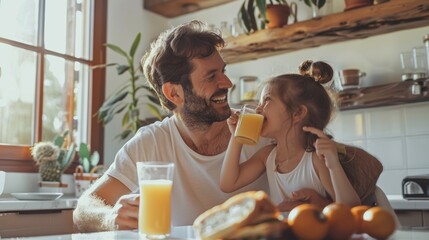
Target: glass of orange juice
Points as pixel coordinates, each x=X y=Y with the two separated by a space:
x=155 y=182
x=249 y=125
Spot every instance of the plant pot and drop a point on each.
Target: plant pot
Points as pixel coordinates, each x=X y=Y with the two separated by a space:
x=82 y=181
x=278 y=14
x=51 y=187
x=352 y=4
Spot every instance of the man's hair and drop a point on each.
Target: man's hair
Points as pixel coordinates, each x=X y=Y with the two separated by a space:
x=169 y=58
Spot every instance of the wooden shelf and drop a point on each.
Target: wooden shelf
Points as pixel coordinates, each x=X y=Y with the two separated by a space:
x=359 y=23
x=383 y=95
x=174 y=8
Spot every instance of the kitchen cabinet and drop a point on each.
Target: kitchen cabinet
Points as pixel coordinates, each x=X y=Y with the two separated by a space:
x=413 y=218
x=36 y=223
x=359 y=23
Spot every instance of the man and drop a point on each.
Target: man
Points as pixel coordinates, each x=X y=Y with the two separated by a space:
x=187 y=72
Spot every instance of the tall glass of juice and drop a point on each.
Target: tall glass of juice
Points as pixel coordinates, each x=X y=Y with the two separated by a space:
x=249 y=125
x=155 y=182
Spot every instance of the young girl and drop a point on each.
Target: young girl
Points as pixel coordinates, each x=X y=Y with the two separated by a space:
x=295 y=107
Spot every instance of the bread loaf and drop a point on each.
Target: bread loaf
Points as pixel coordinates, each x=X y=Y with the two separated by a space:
x=244 y=209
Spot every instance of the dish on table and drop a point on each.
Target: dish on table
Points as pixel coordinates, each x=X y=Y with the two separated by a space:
x=36 y=196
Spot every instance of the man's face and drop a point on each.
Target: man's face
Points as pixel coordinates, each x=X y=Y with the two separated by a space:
x=207 y=102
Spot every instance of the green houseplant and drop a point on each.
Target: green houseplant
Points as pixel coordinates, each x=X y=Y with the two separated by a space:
x=88 y=171
x=131 y=96
x=253 y=20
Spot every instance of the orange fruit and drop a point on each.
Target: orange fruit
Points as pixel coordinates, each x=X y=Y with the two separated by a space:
x=358 y=212
x=341 y=221
x=378 y=222
x=308 y=222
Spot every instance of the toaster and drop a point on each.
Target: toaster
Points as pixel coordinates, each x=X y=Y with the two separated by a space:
x=416 y=187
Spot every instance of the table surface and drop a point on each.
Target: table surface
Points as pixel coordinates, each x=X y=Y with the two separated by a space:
x=186 y=232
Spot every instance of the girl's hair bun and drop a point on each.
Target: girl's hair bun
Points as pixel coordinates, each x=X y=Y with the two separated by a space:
x=320 y=71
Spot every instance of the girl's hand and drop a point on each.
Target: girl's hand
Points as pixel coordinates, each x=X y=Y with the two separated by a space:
x=325 y=147
x=233 y=120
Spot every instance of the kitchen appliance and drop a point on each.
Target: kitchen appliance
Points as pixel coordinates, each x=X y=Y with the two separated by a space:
x=416 y=187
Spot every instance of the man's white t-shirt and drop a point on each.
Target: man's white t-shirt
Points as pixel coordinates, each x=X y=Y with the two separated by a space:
x=196 y=177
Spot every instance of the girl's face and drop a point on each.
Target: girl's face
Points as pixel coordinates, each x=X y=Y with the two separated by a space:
x=277 y=119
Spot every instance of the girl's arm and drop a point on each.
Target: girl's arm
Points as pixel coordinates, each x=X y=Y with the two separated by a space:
x=233 y=174
x=332 y=173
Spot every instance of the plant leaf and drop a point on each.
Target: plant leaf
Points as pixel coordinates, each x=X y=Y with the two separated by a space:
x=154 y=110
x=307 y=2
x=85 y=165
x=120 y=69
x=95 y=158
x=117 y=49
x=104 y=65
x=84 y=151
x=135 y=45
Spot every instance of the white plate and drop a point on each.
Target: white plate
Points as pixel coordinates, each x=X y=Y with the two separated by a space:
x=36 y=196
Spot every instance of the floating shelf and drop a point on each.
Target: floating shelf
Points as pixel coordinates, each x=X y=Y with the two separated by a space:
x=359 y=23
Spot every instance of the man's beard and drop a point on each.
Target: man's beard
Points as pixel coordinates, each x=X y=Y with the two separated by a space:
x=197 y=113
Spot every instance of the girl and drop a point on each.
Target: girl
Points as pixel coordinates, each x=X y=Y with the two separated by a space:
x=295 y=107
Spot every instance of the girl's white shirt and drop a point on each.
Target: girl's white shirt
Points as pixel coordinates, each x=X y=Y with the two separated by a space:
x=283 y=184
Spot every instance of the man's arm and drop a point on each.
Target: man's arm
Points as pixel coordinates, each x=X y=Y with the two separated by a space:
x=106 y=206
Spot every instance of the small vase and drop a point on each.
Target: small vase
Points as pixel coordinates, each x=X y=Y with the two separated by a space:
x=323 y=11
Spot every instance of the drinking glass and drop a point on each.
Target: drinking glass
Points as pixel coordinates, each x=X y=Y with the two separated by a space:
x=155 y=182
x=249 y=125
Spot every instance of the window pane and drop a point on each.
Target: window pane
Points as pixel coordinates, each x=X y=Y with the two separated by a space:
x=18 y=20
x=67 y=27
x=66 y=98
x=58 y=99
x=17 y=95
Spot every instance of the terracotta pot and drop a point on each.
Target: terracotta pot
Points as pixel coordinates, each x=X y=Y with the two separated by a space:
x=278 y=14
x=352 y=4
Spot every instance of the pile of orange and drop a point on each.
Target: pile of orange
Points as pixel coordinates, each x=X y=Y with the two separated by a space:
x=338 y=221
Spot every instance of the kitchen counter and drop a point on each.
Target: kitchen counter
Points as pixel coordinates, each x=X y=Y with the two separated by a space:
x=9 y=204
x=399 y=203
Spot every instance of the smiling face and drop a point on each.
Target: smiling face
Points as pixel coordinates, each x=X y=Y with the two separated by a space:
x=206 y=100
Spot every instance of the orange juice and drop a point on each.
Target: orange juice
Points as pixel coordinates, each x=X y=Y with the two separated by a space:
x=249 y=128
x=155 y=204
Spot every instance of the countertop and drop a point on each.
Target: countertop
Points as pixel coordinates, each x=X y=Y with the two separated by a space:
x=399 y=203
x=8 y=203
x=186 y=232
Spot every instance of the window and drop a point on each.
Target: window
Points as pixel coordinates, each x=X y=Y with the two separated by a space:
x=47 y=48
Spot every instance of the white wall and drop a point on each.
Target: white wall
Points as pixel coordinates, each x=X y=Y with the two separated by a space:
x=378 y=56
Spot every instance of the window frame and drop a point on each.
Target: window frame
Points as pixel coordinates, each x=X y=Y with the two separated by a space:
x=17 y=158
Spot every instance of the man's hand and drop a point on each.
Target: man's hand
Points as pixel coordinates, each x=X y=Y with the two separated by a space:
x=305 y=195
x=127 y=212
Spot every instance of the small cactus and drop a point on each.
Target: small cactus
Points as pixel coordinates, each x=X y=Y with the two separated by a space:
x=52 y=158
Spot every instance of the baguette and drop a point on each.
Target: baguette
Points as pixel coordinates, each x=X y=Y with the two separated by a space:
x=244 y=209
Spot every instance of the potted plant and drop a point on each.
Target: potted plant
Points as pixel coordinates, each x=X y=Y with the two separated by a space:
x=271 y=14
x=88 y=171
x=53 y=158
x=131 y=96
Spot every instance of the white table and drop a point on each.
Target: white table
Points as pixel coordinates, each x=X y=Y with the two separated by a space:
x=186 y=232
